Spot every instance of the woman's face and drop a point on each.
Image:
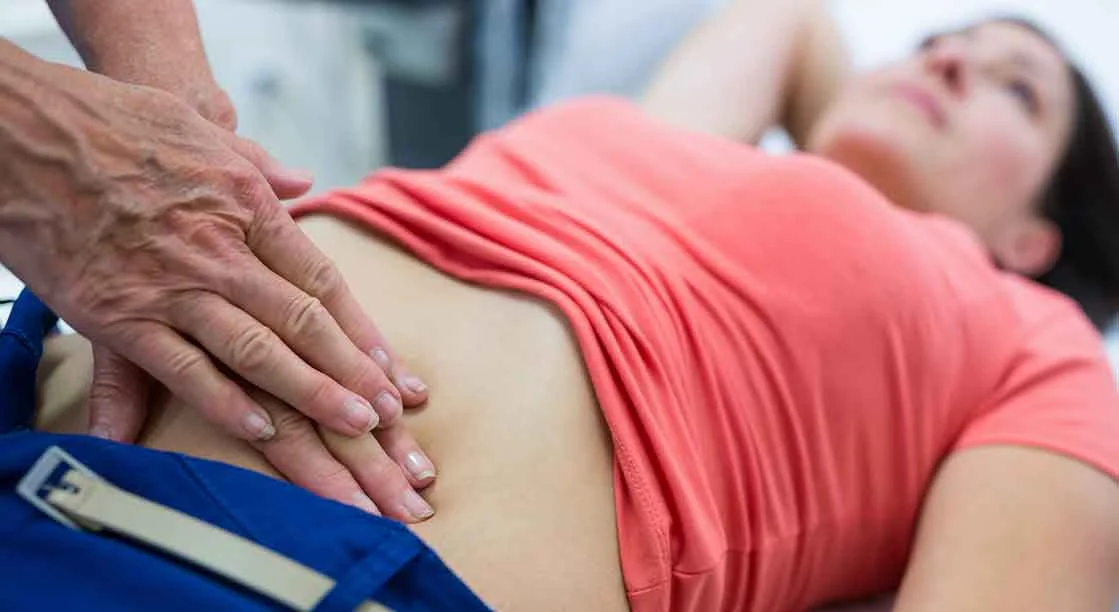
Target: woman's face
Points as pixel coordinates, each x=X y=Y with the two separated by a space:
x=971 y=126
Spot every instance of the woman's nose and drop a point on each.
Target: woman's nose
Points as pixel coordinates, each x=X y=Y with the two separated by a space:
x=950 y=63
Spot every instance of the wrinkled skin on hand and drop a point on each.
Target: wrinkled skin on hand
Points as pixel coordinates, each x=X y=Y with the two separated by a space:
x=160 y=236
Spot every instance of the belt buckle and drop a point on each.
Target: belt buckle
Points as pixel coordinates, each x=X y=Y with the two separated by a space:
x=47 y=475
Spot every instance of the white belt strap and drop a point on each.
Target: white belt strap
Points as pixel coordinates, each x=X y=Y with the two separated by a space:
x=76 y=496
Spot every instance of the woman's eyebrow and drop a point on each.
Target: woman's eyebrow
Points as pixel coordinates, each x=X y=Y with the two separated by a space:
x=1039 y=72
x=1026 y=63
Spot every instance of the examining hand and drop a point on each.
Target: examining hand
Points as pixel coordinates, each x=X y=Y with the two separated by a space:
x=160 y=236
x=365 y=471
x=340 y=465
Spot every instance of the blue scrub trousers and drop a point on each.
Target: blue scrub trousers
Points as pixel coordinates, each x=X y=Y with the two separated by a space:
x=47 y=566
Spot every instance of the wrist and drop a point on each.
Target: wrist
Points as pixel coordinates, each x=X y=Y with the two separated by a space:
x=214 y=105
x=193 y=84
x=200 y=92
x=155 y=43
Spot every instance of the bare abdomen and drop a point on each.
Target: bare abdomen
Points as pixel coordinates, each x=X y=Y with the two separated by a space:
x=524 y=497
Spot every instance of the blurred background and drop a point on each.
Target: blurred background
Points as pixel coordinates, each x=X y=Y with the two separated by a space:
x=341 y=87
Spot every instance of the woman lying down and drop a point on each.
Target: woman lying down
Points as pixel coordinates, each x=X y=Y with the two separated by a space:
x=672 y=372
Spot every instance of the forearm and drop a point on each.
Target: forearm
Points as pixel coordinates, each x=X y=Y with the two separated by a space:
x=821 y=66
x=744 y=70
x=147 y=42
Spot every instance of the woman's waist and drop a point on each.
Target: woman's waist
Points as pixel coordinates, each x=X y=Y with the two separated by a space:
x=524 y=491
x=470 y=342
x=495 y=356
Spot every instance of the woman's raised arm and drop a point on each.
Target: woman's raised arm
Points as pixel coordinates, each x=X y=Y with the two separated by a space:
x=1015 y=529
x=750 y=66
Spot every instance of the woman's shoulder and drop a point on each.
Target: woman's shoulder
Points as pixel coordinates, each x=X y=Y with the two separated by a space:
x=1055 y=389
x=1051 y=330
x=1038 y=307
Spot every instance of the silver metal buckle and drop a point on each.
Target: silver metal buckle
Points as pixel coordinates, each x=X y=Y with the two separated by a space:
x=47 y=475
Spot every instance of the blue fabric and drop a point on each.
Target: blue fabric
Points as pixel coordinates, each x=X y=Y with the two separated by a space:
x=46 y=566
x=21 y=346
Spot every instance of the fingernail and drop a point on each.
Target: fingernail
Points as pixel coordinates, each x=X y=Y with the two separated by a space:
x=419 y=466
x=259 y=427
x=388 y=405
x=381 y=358
x=299 y=174
x=417 y=506
x=360 y=414
x=362 y=501
x=415 y=384
x=101 y=430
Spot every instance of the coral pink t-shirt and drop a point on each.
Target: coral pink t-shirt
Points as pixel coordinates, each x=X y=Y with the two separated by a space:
x=782 y=356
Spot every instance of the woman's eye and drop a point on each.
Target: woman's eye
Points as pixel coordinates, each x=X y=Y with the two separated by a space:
x=930 y=43
x=1025 y=94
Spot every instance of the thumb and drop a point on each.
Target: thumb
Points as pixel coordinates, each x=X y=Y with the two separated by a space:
x=118 y=397
x=286 y=183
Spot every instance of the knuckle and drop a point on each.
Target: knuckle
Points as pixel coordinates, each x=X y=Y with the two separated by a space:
x=306 y=315
x=366 y=378
x=247 y=184
x=323 y=278
x=316 y=397
x=245 y=147
x=252 y=151
x=251 y=349
x=316 y=471
x=225 y=280
x=382 y=471
x=291 y=426
x=219 y=240
x=184 y=363
x=105 y=395
x=390 y=416
x=319 y=396
x=184 y=312
x=331 y=475
x=225 y=405
x=396 y=439
x=366 y=458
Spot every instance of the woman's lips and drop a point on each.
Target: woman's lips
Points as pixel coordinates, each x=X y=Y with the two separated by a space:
x=923 y=100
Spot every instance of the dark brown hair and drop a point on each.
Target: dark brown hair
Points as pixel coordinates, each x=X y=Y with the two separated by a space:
x=1082 y=199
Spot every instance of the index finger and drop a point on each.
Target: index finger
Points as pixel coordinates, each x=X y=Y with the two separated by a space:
x=292 y=255
x=302 y=324
x=298 y=453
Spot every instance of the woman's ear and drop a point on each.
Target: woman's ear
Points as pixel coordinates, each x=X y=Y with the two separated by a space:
x=1029 y=247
